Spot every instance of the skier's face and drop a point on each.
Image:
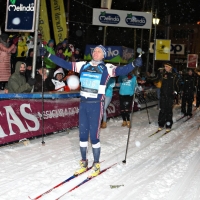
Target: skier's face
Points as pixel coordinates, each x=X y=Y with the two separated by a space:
x=97 y=54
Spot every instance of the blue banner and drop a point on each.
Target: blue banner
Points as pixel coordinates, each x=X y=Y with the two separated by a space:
x=20 y=15
x=115 y=54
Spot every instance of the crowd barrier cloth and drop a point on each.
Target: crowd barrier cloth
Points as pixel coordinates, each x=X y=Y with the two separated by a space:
x=21 y=114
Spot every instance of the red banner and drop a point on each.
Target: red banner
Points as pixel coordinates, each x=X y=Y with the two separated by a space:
x=21 y=119
x=192 y=61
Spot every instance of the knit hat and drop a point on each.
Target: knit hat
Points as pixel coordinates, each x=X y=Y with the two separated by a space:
x=50 y=41
x=59 y=71
x=103 y=49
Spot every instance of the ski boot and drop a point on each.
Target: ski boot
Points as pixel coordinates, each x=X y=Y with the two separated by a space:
x=168 y=130
x=124 y=123
x=160 y=128
x=83 y=167
x=95 y=170
x=128 y=124
x=103 y=125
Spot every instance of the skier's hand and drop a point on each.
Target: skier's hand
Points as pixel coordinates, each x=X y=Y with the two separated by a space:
x=44 y=52
x=137 y=62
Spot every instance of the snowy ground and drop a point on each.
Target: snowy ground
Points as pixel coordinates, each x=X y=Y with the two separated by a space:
x=166 y=168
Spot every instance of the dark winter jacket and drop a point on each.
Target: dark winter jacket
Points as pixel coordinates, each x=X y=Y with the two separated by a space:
x=188 y=84
x=17 y=82
x=170 y=83
x=47 y=84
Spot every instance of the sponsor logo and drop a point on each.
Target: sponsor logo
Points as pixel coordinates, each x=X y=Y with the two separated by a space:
x=134 y=20
x=108 y=18
x=21 y=7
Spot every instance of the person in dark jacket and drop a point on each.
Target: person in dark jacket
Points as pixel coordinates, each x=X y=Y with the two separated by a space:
x=197 y=84
x=17 y=81
x=188 y=93
x=29 y=63
x=170 y=84
x=42 y=81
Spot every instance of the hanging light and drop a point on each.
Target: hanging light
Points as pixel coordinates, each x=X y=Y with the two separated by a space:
x=156 y=21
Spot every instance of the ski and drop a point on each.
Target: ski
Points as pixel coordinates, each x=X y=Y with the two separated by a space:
x=187 y=119
x=155 y=132
x=85 y=181
x=166 y=132
x=63 y=182
x=180 y=118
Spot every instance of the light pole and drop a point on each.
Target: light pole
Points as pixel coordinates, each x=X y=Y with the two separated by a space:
x=155 y=22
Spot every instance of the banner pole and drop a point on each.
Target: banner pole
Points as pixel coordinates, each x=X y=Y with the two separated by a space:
x=35 y=37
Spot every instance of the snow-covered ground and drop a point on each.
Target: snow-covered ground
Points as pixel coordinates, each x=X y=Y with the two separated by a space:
x=166 y=168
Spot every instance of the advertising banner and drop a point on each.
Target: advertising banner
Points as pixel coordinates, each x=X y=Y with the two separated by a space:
x=192 y=61
x=115 y=54
x=20 y=15
x=44 y=22
x=162 y=51
x=120 y=18
x=59 y=20
x=175 y=48
x=22 y=118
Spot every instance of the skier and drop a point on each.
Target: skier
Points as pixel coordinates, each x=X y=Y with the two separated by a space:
x=127 y=85
x=188 y=93
x=94 y=76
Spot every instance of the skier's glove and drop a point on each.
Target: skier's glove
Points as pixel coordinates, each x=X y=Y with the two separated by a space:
x=44 y=52
x=137 y=62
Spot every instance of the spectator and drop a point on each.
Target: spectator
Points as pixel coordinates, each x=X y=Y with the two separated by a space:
x=21 y=51
x=17 y=82
x=29 y=63
x=127 y=85
x=49 y=64
x=108 y=97
x=58 y=83
x=42 y=76
x=5 y=57
x=29 y=43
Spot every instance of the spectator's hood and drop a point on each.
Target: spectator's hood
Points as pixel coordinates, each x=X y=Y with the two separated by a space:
x=17 y=66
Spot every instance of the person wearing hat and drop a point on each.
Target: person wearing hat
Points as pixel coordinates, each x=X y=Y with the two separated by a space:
x=188 y=89
x=169 y=87
x=94 y=76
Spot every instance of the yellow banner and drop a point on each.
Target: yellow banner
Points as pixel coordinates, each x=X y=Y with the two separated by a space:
x=43 y=22
x=162 y=51
x=59 y=20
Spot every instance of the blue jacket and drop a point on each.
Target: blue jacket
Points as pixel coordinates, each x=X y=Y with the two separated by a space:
x=109 y=71
x=127 y=86
x=109 y=87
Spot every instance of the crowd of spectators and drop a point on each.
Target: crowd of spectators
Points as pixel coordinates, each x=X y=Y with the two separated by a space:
x=16 y=55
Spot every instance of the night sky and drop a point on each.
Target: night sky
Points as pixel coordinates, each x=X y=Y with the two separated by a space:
x=82 y=32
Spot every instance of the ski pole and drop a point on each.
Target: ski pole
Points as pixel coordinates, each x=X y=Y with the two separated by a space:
x=129 y=129
x=133 y=102
x=43 y=142
x=147 y=110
